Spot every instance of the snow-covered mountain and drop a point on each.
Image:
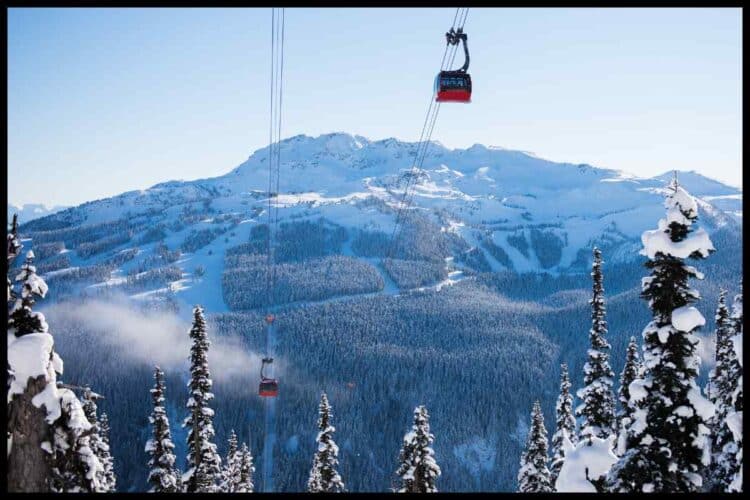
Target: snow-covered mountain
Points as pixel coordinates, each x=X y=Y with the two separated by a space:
x=31 y=211
x=487 y=209
x=481 y=194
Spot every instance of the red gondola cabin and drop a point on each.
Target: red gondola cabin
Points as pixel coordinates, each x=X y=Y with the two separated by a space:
x=269 y=388
x=453 y=86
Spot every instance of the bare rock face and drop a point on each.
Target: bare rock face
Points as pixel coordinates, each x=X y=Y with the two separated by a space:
x=28 y=464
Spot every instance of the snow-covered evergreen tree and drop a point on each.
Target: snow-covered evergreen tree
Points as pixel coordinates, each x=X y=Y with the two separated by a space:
x=597 y=398
x=737 y=311
x=246 y=470
x=418 y=471
x=719 y=392
x=107 y=460
x=565 y=424
x=632 y=370
x=534 y=475
x=163 y=474
x=230 y=473
x=14 y=249
x=203 y=461
x=730 y=455
x=324 y=477
x=96 y=443
x=717 y=379
x=22 y=318
x=47 y=433
x=667 y=446
x=76 y=467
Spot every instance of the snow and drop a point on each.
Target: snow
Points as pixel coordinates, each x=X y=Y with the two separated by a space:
x=703 y=407
x=682 y=201
x=50 y=399
x=591 y=458
x=683 y=411
x=724 y=197
x=638 y=390
x=29 y=357
x=737 y=343
x=686 y=319
x=658 y=241
x=57 y=363
x=77 y=418
x=664 y=332
x=37 y=285
x=734 y=422
x=736 y=484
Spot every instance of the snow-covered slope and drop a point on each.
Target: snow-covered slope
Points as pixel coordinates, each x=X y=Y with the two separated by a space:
x=521 y=212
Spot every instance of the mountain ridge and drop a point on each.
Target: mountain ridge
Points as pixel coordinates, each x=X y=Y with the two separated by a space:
x=499 y=201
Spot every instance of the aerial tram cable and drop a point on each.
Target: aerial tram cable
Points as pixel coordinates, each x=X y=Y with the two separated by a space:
x=450 y=36
x=268 y=387
x=432 y=113
x=451 y=39
x=428 y=118
x=455 y=85
x=454 y=35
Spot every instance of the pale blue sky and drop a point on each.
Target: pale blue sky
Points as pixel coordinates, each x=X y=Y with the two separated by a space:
x=103 y=101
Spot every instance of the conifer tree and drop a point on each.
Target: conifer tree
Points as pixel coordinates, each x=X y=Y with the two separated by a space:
x=230 y=474
x=630 y=371
x=737 y=311
x=203 y=461
x=22 y=318
x=735 y=365
x=717 y=379
x=76 y=467
x=719 y=392
x=163 y=475
x=324 y=477
x=96 y=443
x=14 y=249
x=667 y=444
x=418 y=471
x=597 y=399
x=43 y=422
x=107 y=460
x=729 y=456
x=565 y=424
x=534 y=476
x=246 y=470
x=47 y=429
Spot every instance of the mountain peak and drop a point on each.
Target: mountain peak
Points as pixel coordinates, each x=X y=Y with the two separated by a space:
x=697 y=183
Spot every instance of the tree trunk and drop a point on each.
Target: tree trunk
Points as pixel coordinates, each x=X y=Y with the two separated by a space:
x=28 y=463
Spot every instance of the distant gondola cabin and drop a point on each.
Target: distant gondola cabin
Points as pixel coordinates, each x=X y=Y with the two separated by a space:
x=268 y=388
